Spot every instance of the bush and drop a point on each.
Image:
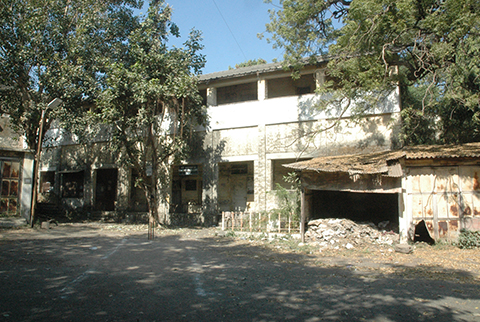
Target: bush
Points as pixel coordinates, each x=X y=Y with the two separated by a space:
x=468 y=239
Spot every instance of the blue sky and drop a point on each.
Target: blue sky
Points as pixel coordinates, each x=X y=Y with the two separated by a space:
x=245 y=18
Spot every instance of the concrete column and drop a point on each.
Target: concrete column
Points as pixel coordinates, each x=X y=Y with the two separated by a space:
x=262 y=89
x=260 y=167
x=319 y=77
x=404 y=211
x=211 y=96
x=26 y=194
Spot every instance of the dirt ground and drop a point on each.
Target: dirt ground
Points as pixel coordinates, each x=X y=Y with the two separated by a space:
x=111 y=272
x=439 y=262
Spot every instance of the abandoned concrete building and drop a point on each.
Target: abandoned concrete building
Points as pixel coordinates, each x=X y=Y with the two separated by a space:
x=16 y=172
x=259 y=119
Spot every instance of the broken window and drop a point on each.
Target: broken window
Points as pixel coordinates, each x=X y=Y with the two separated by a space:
x=237 y=93
x=72 y=184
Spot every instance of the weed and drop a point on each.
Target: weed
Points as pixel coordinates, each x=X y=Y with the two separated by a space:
x=468 y=239
x=230 y=233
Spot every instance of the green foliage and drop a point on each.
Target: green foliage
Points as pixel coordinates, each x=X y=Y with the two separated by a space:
x=288 y=200
x=469 y=239
x=250 y=62
x=57 y=49
x=230 y=233
x=151 y=103
x=428 y=48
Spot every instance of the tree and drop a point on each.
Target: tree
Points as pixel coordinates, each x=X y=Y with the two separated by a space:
x=151 y=103
x=430 y=48
x=57 y=49
x=250 y=62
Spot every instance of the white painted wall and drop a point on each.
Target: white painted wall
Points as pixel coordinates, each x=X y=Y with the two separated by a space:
x=282 y=110
x=26 y=194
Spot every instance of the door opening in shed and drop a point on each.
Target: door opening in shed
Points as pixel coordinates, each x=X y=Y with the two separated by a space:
x=378 y=208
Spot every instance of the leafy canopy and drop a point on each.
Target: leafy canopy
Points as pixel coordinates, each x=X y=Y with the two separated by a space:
x=430 y=48
x=57 y=49
x=250 y=62
x=151 y=102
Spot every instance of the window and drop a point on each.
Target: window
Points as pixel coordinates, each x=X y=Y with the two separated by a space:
x=188 y=170
x=239 y=168
x=47 y=181
x=203 y=94
x=9 y=189
x=72 y=184
x=237 y=93
x=287 y=86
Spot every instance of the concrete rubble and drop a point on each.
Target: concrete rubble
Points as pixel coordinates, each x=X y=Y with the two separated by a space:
x=345 y=233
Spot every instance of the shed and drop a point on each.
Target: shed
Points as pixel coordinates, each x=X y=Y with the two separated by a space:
x=435 y=185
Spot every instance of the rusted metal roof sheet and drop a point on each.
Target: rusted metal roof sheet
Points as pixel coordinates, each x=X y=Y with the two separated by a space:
x=372 y=163
x=252 y=70
x=385 y=162
x=466 y=150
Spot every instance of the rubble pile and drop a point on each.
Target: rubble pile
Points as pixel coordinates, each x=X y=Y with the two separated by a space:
x=347 y=233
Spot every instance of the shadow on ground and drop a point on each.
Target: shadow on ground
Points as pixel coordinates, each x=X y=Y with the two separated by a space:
x=79 y=274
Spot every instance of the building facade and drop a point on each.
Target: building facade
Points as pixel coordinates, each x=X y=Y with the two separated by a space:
x=16 y=173
x=260 y=118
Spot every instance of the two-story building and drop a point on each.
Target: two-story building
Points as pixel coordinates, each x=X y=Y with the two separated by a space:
x=260 y=118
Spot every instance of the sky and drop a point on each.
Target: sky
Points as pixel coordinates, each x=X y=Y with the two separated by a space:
x=229 y=31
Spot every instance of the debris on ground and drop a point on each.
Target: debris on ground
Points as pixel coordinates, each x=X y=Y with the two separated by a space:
x=345 y=233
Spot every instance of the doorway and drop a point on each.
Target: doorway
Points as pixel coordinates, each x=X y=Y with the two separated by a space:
x=106 y=189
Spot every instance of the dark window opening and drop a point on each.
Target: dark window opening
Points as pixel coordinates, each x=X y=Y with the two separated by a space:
x=237 y=93
x=190 y=185
x=106 y=189
x=72 y=184
x=203 y=94
x=239 y=168
x=287 y=86
x=47 y=181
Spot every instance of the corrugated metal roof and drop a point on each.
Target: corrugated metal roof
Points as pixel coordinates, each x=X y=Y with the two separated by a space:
x=239 y=72
x=466 y=150
x=386 y=162
x=251 y=70
x=371 y=163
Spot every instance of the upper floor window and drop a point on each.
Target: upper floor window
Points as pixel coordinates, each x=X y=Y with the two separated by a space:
x=237 y=93
x=287 y=86
x=203 y=94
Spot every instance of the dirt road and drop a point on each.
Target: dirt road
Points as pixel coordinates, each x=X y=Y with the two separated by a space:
x=93 y=272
